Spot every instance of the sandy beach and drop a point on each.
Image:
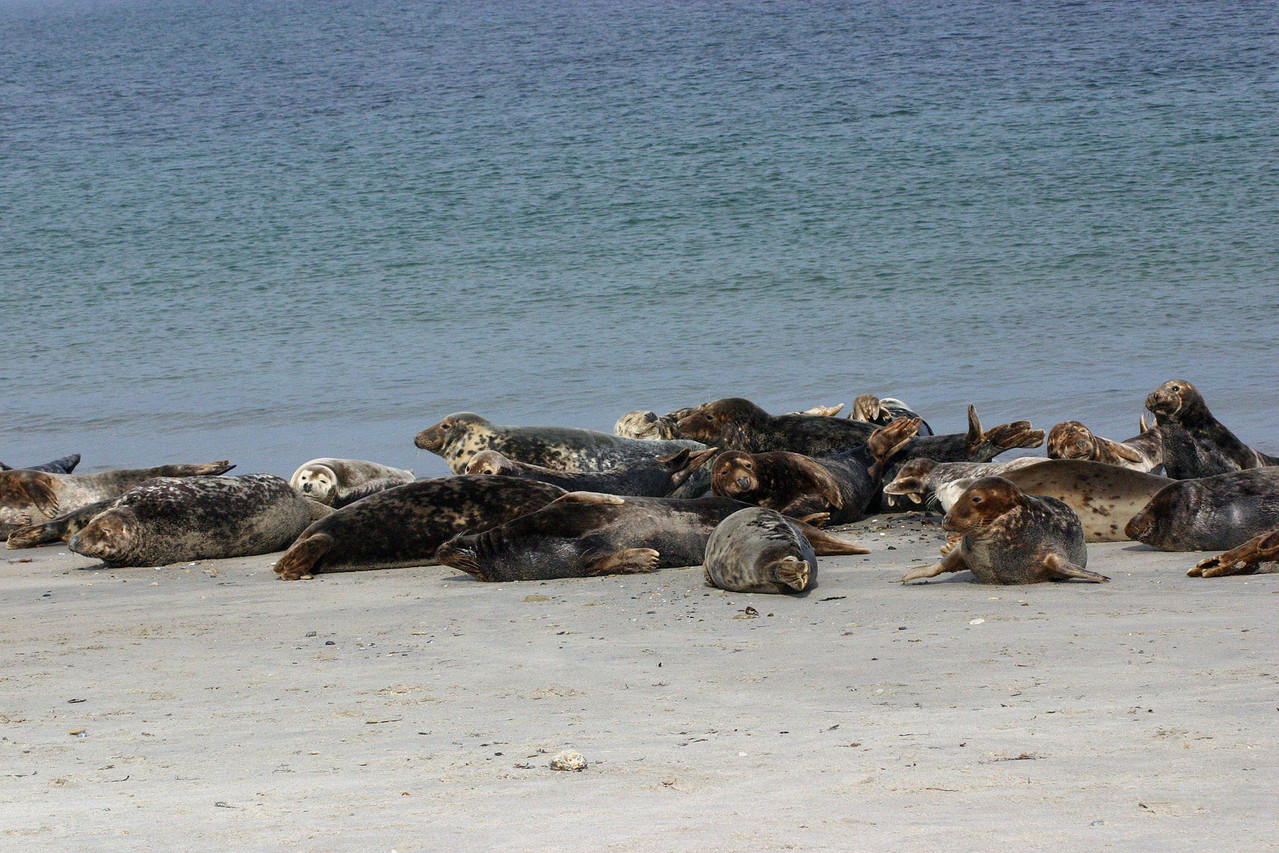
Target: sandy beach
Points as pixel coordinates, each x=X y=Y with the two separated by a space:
x=208 y=706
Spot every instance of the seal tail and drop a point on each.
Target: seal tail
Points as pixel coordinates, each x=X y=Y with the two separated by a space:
x=827 y=544
x=300 y=560
x=793 y=572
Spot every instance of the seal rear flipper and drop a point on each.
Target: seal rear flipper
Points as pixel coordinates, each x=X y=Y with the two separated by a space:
x=1015 y=434
x=1062 y=569
x=300 y=560
x=885 y=442
x=1241 y=560
x=683 y=464
x=827 y=544
x=792 y=571
x=631 y=561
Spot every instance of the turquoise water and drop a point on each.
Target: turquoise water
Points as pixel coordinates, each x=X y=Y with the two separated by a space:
x=271 y=231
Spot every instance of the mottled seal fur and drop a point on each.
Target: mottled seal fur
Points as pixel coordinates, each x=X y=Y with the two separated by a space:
x=759 y=550
x=460 y=436
x=735 y=423
x=1211 y=513
x=338 y=482
x=650 y=425
x=404 y=526
x=174 y=519
x=1072 y=440
x=62 y=465
x=32 y=497
x=1009 y=537
x=57 y=529
x=1196 y=444
x=882 y=412
x=657 y=477
x=918 y=479
x=830 y=489
x=1261 y=553
x=584 y=534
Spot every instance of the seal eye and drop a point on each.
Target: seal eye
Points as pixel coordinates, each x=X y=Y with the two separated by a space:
x=976 y=499
x=748 y=466
x=446 y=426
x=1176 y=388
x=1082 y=443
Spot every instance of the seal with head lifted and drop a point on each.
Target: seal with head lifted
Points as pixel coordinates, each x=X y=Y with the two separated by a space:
x=1196 y=444
x=338 y=482
x=1073 y=440
x=1211 y=513
x=654 y=478
x=759 y=550
x=1012 y=538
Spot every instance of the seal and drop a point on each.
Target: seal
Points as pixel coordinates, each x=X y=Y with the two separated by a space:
x=918 y=479
x=584 y=534
x=463 y=434
x=1009 y=537
x=1072 y=440
x=62 y=465
x=404 y=526
x=1261 y=553
x=174 y=519
x=30 y=497
x=1214 y=513
x=829 y=489
x=338 y=482
x=1196 y=444
x=650 y=425
x=735 y=423
x=759 y=550
x=58 y=529
x=873 y=410
x=656 y=477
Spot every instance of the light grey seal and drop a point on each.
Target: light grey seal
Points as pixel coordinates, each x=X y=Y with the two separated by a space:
x=338 y=482
x=759 y=550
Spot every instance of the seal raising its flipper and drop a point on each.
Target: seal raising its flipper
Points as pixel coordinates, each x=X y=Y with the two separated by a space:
x=882 y=412
x=1248 y=558
x=1012 y=538
x=63 y=465
x=759 y=550
x=1073 y=440
x=1211 y=513
x=338 y=482
x=1196 y=444
x=655 y=478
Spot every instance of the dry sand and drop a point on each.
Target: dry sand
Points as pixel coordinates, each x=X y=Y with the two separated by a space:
x=211 y=707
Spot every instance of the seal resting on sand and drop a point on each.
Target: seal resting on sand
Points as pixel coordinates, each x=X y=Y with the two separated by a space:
x=1211 y=513
x=759 y=550
x=1072 y=440
x=1012 y=538
x=1195 y=443
x=735 y=423
x=655 y=478
x=338 y=482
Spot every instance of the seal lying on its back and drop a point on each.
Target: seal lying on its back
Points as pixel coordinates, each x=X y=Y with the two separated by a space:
x=1244 y=560
x=828 y=489
x=1195 y=443
x=873 y=410
x=738 y=424
x=403 y=526
x=462 y=435
x=169 y=520
x=1210 y=514
x=759 y=550
x=653 y=478
x=338 y=482
x=1073 y=440
x=584 y=534
x=1012 y=538
x=31 y=497
x=64 y=465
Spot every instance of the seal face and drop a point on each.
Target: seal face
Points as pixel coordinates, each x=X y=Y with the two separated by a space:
x=759 y=550
x=1196 y=444
x=1211 y=513
x=338 y=482
x=1008 y=537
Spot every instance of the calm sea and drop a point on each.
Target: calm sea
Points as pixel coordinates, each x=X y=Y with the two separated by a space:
x=269 y=231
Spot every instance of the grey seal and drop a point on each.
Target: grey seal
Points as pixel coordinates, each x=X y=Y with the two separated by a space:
x=656 y=477
x=338 y=482
x=1072 y=440
x=1196 y=444
x=759 y=550
x=1210 y=513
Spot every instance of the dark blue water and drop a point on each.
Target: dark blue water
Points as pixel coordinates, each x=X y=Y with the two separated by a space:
x=274 y=230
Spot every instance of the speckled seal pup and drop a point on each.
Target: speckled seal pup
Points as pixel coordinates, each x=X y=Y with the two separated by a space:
x=462 y=435
x=403 y=526
x=1211 y=513
x=1261 y=553
x=338 y=482
x=1073 y=440
x=1012 y=538
x=63 y=465
x=654 y=478
x=826 y=490
x=169 y=520
x=584 y=534
x=33 y=497
x=759 y=550
x=1196 y=444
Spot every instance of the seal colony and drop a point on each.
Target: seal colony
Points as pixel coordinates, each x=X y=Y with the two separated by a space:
x=537 y=502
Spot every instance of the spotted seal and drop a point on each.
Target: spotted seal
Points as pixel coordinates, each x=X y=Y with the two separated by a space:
x=1210 y=513
x=735 y=423
x=1261 y=553
x=62 y=465
x=651 y=425
x=918 y=479
x=657 y=477
x=1196 y=444
x=1072 y=440
x=461 y=435
x=1009 y=537
x=338 y=482
x=584 y=534
x=759 y=550
x=404 y=526
x=31 y=497
x=173 y=519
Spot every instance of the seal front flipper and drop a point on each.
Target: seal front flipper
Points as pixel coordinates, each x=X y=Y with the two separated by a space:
x=1242 y=560
x=952 y=562
x=631 y=561
x=60 y=529
x=1062 y=569
x=589 y=498
x=791 y=571
x=299 y=562
x=817 y=519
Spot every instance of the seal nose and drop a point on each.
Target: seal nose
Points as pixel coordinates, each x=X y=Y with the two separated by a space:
x=306 y=487
x=743 y=483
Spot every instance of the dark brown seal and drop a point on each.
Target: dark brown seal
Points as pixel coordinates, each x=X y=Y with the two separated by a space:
x=1196 y=444
x=735 y=423
x=174 y=519
x=654 y=478
x=463 y=434
x=1012 y=538
x=1211 y=513
x=829 y=489
x=1073 y=440
x=759 y=550
x=1247 y=559
x=584 y=534
x=63 y=465
x=403 y=526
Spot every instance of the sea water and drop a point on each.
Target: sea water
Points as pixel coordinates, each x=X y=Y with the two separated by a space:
x=268 y=231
